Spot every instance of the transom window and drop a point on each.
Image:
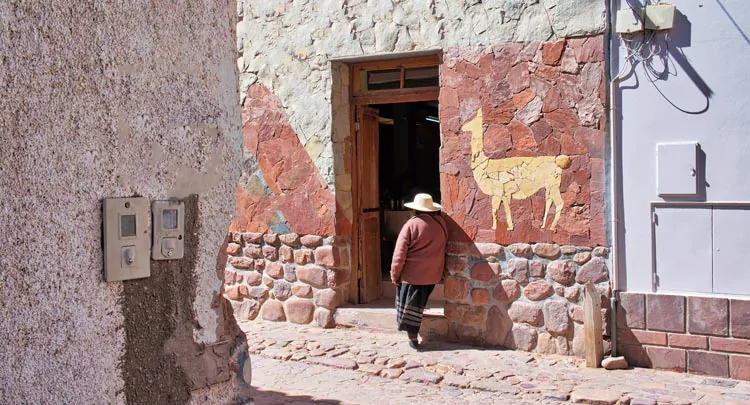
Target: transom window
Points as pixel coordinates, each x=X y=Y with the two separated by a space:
x=414 y=76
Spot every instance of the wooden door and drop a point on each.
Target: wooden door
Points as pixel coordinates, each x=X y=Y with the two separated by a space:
x=369 y=205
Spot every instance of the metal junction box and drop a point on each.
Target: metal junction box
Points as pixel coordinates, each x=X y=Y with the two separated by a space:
x=660 y=16
x=629 y=21
x=676 y=166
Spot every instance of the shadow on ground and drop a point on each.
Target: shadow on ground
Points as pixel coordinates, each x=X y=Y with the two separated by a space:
x=263 y=397
x=438 y=345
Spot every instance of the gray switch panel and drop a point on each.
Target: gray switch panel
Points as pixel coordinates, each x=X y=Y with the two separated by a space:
x=677 y=165
x=126 y=239
x=169 y=230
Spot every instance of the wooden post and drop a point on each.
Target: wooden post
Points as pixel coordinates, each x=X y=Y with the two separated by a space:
x=592 y=325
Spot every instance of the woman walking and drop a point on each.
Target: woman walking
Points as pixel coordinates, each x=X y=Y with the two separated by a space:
x=418 y=262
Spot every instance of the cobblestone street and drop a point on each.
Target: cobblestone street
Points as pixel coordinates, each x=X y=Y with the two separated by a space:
x=302 y=364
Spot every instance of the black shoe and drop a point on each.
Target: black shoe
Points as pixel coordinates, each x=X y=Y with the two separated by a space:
x=414 y=344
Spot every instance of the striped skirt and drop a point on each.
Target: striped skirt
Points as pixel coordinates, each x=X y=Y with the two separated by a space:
x=410 y=303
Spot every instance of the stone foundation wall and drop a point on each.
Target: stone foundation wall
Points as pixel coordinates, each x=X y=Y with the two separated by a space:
x=698 y=335
x=541 y=93
x=300 y=279
x=522 y=296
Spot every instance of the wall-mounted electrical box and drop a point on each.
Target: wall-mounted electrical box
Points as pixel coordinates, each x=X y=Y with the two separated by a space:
x=677 y=169
x=660 y=16
x=629 y=20
x=126 y=239
x=169 y=230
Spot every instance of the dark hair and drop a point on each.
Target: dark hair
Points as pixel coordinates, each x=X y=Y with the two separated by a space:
x=432 y=214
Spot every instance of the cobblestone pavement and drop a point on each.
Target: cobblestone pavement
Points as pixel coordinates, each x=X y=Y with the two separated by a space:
x=295 y=364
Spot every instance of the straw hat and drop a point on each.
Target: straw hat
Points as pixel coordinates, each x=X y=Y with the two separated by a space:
x=423 y=202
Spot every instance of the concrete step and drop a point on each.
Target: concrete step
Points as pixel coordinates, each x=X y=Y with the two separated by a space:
x=381 y=315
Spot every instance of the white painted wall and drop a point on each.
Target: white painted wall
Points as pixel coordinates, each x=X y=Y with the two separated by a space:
x=709 y=54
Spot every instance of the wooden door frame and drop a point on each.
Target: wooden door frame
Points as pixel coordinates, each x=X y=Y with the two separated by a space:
x=358 y=98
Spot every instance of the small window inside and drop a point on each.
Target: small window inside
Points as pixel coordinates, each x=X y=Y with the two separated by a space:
x=421 y=77
x=384 y=79
x=396 y=75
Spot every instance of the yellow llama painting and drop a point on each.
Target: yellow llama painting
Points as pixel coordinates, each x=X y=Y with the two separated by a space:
x=515 y=178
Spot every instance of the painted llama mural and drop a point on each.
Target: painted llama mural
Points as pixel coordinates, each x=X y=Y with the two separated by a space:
x=515 y=178
x=523 y=139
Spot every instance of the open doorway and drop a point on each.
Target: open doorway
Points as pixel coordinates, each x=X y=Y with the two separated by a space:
x=409 y=140
x=397 y=138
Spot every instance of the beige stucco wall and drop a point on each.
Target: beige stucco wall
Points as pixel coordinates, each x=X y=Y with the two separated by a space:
x=103 y=100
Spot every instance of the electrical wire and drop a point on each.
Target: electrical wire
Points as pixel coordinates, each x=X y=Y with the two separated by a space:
x=645 y=43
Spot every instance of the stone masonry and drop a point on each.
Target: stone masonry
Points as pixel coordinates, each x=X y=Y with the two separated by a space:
x=299 y=279
x=537 y=99
x=542 y=93
x=521 y=296
x=280 y=189
x=524 y=297
x=286 y=45
x=698 y=335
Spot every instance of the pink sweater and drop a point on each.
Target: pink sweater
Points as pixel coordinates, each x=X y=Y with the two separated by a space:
x=420 y=251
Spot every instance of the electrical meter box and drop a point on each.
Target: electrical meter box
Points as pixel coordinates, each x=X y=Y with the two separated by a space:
x=126 y=239
x=677 y=169
x=660 y=16
x=169 y=230
x=629 y=20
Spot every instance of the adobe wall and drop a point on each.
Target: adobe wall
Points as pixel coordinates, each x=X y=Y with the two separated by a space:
x=543 y=117
x=110 y=100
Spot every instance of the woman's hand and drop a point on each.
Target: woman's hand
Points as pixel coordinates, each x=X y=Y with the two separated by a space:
x=394 y=281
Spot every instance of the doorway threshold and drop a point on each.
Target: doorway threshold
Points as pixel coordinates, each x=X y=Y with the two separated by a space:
x=381 y=315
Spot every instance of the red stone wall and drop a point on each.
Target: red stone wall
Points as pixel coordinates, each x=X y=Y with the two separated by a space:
x=282 y=187
x=543 y=102
x=299 y=279
x=699 y=335
x=537 y=99
x=506 y=288
x=525 y=297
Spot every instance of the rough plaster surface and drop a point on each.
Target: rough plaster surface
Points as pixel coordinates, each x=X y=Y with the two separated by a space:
x=106 y=100
x=286 y=45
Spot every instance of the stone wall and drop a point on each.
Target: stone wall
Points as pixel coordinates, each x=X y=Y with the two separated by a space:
x=699 y=335
x=542 y=97
x=522 y=296
x=280 y=189
x=300 y=279
x=540 y=103
x=286 y=46
x=522 y=160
